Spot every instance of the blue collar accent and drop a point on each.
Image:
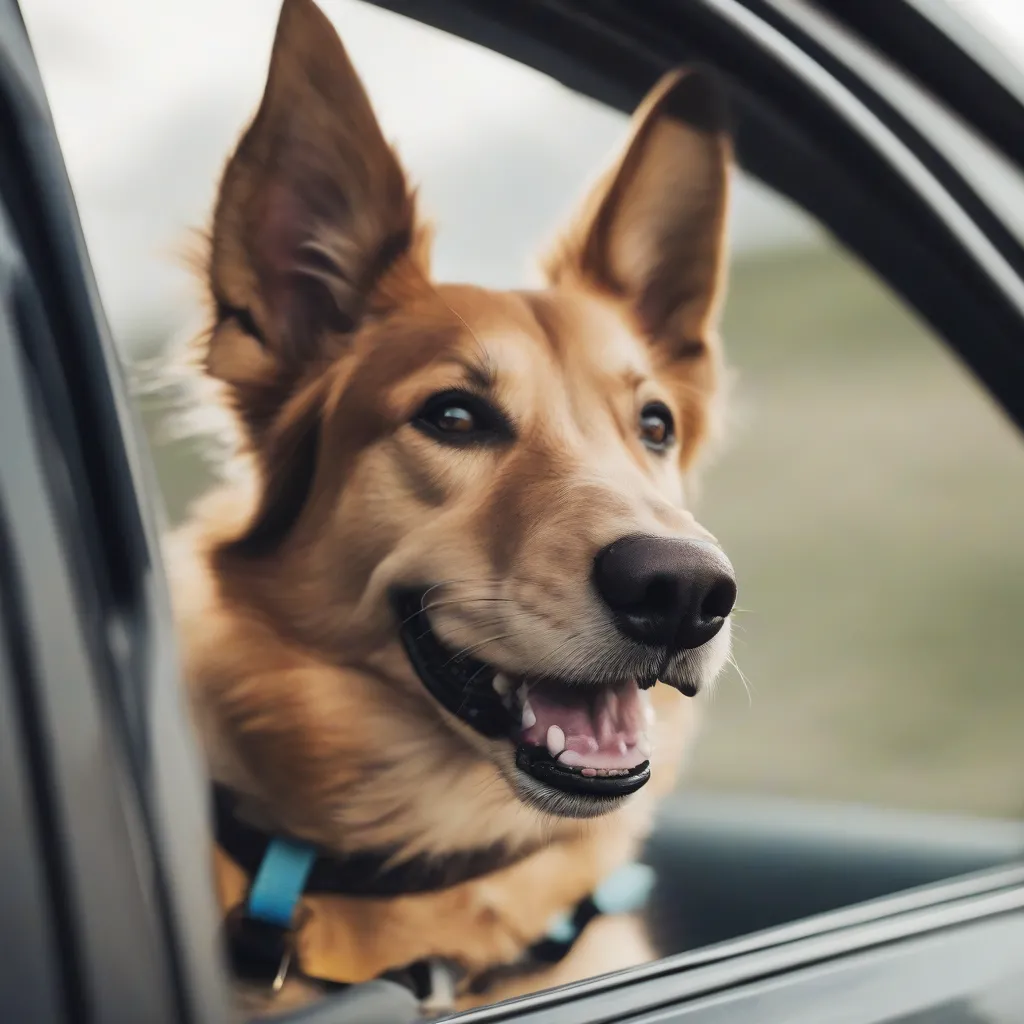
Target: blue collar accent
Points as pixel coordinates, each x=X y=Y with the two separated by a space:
x=280 y=882
x=624 y=891
x=370 y=873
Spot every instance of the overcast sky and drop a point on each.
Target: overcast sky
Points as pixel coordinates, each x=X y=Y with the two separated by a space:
x=148 y=97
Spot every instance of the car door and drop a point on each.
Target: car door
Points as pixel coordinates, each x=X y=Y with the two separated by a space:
x=106 y=915
x=106 y=891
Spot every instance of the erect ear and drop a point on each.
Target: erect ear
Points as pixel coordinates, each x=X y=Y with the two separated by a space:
x=313 y=211
x=652 y=232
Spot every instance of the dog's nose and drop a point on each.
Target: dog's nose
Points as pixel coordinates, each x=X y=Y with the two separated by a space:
x=665 y=592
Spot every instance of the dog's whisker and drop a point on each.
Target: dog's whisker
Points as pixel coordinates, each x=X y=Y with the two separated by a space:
x=482 y=581
x=425 y=607
x=466 y=651
x=443 y=604
x=486 y=361
x=465 y=601
x=470 y=681
x=743 y=679
x=533 y=667
x=476 y=624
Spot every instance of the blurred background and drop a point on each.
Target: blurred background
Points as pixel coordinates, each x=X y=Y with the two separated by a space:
x=871 y=496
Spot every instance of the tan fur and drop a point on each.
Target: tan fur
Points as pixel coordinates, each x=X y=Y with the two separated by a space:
x=326 y=323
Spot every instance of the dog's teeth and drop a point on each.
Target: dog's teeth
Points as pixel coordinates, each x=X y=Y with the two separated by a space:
x=501 y=684
x=570 y=758
x=603 y=772
x=556 y=740
x=529 y=716
x=589 y=772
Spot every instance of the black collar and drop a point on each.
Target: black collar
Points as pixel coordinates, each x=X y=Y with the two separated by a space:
x=366 y=873
x=262 y=949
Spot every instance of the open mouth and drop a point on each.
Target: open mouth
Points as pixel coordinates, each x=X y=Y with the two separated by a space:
x=587 y=740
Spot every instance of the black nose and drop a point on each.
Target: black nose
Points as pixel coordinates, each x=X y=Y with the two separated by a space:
x=664 y=592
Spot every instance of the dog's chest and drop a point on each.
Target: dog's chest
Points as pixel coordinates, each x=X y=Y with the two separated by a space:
x=480 y=925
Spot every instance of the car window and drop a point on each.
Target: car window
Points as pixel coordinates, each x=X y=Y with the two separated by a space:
x=1002 y=23
x=868 y=490
x=869 y=495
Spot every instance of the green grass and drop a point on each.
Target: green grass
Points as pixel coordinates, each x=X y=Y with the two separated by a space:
x=871 y=501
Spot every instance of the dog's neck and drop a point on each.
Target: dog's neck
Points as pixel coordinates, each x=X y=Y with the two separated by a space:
x=268 y=916
x=371 y=873
x=266 y=886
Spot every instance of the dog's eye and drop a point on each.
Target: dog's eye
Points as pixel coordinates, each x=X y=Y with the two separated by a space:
x=455 y=419
x=657 y=429
x=460 y=417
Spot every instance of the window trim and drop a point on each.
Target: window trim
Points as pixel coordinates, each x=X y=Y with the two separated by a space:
x=802 y=132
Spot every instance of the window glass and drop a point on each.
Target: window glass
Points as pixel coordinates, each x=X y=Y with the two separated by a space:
x=869 y=492
x=870 y=499
x=1001 y=21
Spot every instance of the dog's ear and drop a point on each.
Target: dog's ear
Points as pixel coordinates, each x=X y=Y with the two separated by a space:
x=313 y=210
x=314 y=231
x=652 y=232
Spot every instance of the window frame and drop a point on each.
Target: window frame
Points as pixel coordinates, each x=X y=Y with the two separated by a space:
x=810 y=127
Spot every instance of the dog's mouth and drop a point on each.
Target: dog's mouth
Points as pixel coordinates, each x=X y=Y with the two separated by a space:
x=582 y=739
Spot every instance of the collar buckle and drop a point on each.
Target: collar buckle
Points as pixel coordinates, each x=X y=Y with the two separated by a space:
x=442 y=979
x=434 y=981
x=261 y=952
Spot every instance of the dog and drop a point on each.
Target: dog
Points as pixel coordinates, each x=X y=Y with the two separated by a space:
x=445 y=625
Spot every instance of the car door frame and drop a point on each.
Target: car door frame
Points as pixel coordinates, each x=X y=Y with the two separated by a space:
x=111 y=797
x=819 y=132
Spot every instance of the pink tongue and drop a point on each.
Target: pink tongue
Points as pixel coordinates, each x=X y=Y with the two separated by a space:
x=603 y=729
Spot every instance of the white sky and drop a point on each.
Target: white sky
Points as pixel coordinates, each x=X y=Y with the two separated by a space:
x=1001 y=20
x=148 y=97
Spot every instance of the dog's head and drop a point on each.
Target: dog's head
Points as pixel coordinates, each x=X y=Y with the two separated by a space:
x=473 y=499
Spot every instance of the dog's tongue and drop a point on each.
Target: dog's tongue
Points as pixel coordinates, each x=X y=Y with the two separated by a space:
x=594 y=730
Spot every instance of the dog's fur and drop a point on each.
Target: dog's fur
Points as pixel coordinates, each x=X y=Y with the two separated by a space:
x=327 y=336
